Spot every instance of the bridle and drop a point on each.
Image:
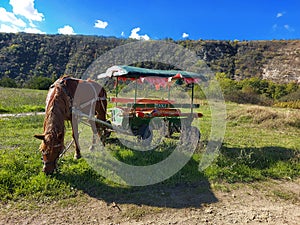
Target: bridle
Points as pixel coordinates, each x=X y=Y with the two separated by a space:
x=45 y=153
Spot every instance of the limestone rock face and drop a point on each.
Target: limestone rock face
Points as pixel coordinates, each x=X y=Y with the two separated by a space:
x=285 y=66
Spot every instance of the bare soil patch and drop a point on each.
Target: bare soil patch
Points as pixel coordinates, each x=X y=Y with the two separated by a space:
x=270 y=202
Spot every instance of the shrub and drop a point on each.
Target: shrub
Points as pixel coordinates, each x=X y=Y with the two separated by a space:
x=8 y=82
x=41 y=83
x=247 y=96
x=293 y=96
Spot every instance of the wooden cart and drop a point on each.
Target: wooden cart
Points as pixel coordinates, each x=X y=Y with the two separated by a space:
x=134 y=114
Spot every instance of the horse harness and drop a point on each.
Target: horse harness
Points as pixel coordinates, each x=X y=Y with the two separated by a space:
x=62 y=84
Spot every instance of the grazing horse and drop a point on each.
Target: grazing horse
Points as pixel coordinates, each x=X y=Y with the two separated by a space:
x=67 y=93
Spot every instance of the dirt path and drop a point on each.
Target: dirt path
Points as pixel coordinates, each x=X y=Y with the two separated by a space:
x=272 y=202
x=21 y=114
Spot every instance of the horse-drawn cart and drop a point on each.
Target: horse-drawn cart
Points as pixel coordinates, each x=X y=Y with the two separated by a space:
x=140 y=110
x=163 y=106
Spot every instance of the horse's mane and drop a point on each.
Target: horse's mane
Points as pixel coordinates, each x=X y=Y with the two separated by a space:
x=64 y=76
x=56 y=109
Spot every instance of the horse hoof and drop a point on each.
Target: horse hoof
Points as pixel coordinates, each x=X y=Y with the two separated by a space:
x=77 y=156
x=92 y=148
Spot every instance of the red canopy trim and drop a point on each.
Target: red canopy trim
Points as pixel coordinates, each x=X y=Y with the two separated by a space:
x=159 y=82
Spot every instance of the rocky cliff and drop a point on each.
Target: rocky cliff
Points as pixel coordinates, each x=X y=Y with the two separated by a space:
x=23 y=56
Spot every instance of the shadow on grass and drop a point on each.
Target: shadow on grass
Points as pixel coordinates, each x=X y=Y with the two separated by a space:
x=254 y=164
x=188 y=187
x=259 y=158
x=180 y=191
x=3 y=110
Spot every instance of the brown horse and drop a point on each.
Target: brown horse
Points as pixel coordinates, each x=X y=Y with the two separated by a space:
x=67 y=93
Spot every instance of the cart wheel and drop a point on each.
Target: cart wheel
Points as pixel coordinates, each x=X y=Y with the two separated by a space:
x=107 y=131
x=190 y=135
x=169 y=129
x=145 y=133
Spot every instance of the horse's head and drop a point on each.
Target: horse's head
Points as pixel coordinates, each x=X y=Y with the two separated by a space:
x=51 y=147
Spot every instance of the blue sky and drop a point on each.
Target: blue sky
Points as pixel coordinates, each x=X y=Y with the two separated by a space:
x=155 y=19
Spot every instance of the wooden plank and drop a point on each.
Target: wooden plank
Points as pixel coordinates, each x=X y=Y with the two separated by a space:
x=152 y=103
x=140 y=100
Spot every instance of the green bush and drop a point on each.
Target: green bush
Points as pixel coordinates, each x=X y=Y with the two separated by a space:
x=292 y=96
x=8 y=82
x=256 y=90
x=41 y=83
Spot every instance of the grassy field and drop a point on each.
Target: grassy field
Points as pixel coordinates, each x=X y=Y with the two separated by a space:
x=21 y=100
x=260 y=143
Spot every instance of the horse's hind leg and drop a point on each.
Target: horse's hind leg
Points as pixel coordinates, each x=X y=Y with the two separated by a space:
x=101 y=108
x=94 y=138
x=101 y=129
x=75 y=135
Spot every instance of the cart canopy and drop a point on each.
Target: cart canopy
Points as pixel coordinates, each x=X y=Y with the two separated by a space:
x=137 y=73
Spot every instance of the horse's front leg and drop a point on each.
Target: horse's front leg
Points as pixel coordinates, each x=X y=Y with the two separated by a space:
x=75 y=136
x=101 y=129
x=95 y=136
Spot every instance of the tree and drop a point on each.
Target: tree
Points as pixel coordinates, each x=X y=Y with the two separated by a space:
x=8 y=82
x=41 y=83
x=228 y=85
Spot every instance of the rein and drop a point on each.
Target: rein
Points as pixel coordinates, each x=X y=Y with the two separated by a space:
x=66 y=149
x=60 y=155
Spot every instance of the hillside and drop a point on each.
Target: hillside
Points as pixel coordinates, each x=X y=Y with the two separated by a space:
x=278 y=61
x=23 y=56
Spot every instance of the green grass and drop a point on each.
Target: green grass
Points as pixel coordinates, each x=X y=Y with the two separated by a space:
x=260 y=143
x=15 y=100
x=20 y=173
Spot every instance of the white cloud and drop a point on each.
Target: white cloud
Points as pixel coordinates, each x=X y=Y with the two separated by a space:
x=123 y=34
x=185 y=35
x=31 y=24
x=14 y=29
x=280 y=14
x=26 y=8
x=66 y=30
x=100 y=24
x=11 y=21
x=9 y=17
x=289 y=28
x=9 y=29
x=134 y=35
x=33 y=30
